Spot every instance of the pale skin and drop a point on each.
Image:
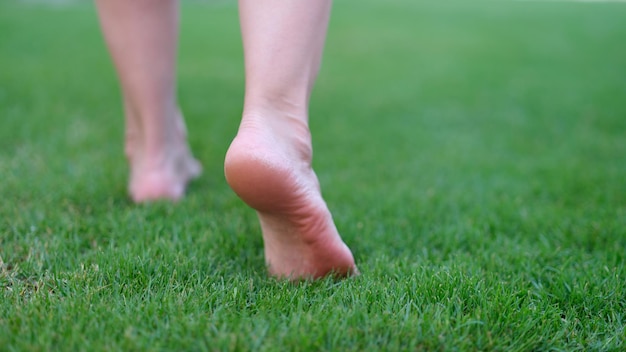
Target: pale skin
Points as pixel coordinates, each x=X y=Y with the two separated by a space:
x=268 y=164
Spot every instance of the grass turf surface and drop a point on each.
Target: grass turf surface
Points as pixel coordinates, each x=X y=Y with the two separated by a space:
x=474 y=157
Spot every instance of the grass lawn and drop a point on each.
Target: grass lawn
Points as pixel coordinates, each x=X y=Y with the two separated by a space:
x=473 y=155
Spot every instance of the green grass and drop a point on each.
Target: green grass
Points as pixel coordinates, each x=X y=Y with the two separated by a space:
x=473 y=155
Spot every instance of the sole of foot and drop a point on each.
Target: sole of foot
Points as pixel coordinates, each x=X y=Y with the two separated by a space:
x=269 y=168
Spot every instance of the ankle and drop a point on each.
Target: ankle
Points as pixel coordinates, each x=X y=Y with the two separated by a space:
x=290 y=103
x=282 y=132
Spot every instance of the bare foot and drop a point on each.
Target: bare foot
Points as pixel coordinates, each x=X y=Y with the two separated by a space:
x=164 y=175
x=163 y=178
x=269 y=166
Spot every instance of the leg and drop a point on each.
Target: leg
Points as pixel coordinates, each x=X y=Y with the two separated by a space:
x=142 y=38
x=269 y=162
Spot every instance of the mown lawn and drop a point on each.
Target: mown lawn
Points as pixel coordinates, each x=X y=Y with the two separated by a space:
x=473 y=155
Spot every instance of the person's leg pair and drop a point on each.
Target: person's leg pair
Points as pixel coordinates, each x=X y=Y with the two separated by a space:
x=269 y=162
